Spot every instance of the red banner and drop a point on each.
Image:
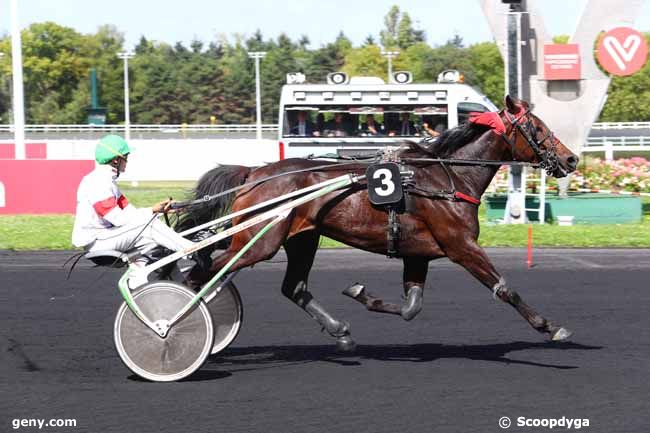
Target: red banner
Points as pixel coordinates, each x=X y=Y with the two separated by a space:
x=561 y=62
x=40 y=186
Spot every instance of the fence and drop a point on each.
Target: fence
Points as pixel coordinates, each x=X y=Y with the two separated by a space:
x=609 y=145
x=207 y=131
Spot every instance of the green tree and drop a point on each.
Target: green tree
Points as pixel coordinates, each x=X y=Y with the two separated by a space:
x=488 y=70
x=418 y=59
x=5 y=82
x=561 y=39
x=53 y=64
x=406 y=35
x=369 y=40
x=329 y=58
x=153 y=85
x=238 y=84
x=365 y=61
x=102 y=48
x=388 y=36
x=279 y=61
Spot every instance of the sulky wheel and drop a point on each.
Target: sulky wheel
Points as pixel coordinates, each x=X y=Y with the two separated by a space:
x=227 y=314
x=185 y=347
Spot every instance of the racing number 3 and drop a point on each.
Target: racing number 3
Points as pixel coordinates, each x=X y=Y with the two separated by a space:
x=384 y=183
x=385 y=177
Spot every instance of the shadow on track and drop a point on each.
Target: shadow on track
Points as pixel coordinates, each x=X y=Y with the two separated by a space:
x=198 y=376
x=262 y=357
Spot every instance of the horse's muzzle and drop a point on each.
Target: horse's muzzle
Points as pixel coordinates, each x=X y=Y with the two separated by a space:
x=566 y=166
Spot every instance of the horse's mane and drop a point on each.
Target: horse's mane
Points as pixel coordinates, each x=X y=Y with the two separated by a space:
x=444 y=145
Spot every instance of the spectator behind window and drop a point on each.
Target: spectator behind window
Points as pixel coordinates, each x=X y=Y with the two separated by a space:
x=371 y=127
x=303 y=127
x=336 y=127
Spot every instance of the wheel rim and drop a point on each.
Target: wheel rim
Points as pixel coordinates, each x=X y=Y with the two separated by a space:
x=227 y=314
x=184 y=349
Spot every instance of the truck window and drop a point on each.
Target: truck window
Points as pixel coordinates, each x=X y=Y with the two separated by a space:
x=363 y=121
x=464 y=108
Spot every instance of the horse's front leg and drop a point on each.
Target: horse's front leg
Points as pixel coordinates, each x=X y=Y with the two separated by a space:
x=473 y=258
x=415 y=273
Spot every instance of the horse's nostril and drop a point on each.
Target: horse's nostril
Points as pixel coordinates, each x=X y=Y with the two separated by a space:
x=572 y=161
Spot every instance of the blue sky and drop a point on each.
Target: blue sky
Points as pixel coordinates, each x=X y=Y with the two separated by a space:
x=320 y=20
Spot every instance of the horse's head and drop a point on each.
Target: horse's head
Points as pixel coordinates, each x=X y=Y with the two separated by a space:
x=532 y=141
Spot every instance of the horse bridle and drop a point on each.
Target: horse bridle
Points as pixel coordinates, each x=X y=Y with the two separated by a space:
x=548 y=159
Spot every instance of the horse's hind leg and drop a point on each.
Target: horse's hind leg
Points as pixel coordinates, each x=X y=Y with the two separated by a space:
x=415 y=273
x=473 y=258
x=301 y=250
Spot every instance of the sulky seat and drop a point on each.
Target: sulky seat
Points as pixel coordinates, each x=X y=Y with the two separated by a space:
x=112 y=258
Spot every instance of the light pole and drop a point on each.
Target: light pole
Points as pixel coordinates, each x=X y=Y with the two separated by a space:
x=257 y=55
x=18 y=98
x=126 y=55
x=390 y=55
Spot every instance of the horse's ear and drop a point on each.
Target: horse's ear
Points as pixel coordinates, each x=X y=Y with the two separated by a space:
x=511 y=104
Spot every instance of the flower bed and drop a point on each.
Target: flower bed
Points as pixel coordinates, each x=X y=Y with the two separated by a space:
x=629 y=174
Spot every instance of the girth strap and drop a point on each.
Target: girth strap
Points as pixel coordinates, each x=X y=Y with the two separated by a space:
x=393 y=234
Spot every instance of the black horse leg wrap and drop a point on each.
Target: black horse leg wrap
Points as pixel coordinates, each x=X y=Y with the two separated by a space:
x=333 y=327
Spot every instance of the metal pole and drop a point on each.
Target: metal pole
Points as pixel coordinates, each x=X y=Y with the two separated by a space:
x=389 y=55
x=257 y=55
x=516 y=206
x=18 y=97
x=126 y=55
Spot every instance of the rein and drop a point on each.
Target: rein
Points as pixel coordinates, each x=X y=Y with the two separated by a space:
x=207 y=198
x=452 y=161
x=479 y=162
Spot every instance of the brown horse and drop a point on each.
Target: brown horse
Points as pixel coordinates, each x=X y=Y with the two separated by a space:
x=432 y=225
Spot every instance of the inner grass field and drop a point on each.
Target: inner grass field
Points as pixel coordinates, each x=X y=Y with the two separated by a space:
x=52 y=232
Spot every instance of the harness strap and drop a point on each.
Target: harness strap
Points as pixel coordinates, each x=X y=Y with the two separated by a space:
x=393 y=234
x=460 y=196
x=444 y=195
x=207 y=198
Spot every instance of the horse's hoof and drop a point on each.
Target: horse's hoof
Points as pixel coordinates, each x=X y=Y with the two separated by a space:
x=354 y=290
x=561 y=334
x=345 y=344
x=342 y=330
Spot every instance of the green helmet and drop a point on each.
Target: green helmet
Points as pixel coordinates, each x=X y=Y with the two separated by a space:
x=110 y=147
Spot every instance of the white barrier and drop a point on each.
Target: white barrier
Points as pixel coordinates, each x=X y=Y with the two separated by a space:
x=174 y=159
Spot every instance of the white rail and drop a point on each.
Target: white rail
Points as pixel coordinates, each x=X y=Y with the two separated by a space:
x=618 y=142
x=620 y=125
x=170 y=128
x=235 y=127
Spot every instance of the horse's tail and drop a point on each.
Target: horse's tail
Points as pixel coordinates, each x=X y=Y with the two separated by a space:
x=218 y=179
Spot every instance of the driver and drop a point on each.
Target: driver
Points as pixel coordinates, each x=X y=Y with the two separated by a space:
x=105 y=220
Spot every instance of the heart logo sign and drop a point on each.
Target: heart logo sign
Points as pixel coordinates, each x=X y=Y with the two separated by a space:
x=622 y=51
x=622 y=54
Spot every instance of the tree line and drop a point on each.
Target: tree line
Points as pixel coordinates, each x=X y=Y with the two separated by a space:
x=215 y=81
